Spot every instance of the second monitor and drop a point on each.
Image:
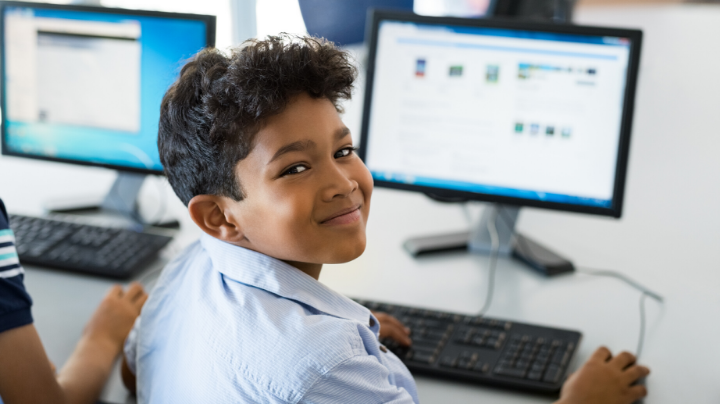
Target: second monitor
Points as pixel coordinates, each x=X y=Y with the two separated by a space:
x=83 y=85
x=519 y=114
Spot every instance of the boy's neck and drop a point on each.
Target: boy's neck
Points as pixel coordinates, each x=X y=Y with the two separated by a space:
x=310 y=269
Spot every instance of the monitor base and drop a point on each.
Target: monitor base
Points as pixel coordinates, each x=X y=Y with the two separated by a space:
x=513 y=244
x=122 y=198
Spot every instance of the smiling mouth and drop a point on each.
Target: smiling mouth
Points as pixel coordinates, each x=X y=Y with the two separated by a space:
x=345 y=216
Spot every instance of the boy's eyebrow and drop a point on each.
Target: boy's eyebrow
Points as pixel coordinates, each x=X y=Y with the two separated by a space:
x=301 y=145
x=341 y=133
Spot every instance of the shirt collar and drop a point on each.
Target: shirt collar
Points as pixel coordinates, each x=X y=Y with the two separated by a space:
x=270 y=274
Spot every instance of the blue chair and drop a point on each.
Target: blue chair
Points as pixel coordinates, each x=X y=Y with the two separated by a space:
x=343 y=21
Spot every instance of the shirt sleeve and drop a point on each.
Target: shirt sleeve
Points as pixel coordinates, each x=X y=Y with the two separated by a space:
x=14 y=300
x=130 y=348
x=359 y=380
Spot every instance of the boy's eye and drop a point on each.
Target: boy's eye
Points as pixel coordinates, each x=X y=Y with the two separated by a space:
x=295 y=169
x=345 y=152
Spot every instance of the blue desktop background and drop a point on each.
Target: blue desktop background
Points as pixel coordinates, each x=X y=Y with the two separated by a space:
x=165 y=46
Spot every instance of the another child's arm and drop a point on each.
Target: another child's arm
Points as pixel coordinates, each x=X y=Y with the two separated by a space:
x=605 y=379
x=25 y=372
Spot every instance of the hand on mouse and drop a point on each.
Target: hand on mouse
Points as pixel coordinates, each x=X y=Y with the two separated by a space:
x=605 y=379
x=390 y=327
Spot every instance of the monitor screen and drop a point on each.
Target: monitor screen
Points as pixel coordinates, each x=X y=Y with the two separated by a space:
x=84 y=85
x=523 y=116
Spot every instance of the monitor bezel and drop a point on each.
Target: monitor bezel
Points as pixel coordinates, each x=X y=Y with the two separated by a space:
x=635 y=37
x=210 y=23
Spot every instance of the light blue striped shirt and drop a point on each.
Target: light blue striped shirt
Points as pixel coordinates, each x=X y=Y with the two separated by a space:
x=229 y=325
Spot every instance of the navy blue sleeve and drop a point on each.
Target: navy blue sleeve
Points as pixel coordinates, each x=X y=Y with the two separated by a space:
x=14 y=300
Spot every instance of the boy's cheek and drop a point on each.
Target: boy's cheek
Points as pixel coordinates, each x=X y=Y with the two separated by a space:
x=366 y=182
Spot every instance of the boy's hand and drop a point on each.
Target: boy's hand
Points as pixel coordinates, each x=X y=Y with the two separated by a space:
x=605 y=379
x=114 y=318
x=390 y=327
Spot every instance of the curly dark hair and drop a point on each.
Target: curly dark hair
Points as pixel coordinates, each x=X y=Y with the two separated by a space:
x=211 y=114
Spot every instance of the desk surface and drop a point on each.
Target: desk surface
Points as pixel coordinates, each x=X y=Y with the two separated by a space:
x=668 y=237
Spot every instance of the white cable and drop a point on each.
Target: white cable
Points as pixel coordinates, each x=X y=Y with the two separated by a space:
x=494 y=252
x=641 y=337
x=624 y=278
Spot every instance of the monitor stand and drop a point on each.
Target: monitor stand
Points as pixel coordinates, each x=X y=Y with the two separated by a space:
x=121 y=199
x=479 y=241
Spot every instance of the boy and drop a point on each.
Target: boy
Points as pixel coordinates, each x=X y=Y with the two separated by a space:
x=26 y=375
x=254 y=145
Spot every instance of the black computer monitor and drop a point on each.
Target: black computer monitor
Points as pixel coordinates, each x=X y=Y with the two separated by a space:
x=83 y=85
x=514 y=113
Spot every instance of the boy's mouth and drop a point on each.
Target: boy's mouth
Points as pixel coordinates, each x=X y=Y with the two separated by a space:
x=344 y=216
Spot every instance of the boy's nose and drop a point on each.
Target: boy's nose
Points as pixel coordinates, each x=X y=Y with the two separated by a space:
x=340 y=185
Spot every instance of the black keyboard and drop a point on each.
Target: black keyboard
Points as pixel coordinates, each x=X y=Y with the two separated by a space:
x=483 y=350
x=103 y=251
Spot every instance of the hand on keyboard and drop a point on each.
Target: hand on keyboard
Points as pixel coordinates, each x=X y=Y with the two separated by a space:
x=392 y=328
x=605 y=379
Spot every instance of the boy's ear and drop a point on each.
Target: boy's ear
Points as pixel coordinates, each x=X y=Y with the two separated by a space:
x=210 y=213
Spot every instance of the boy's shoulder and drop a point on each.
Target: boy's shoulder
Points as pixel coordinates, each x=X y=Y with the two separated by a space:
x=249 y=323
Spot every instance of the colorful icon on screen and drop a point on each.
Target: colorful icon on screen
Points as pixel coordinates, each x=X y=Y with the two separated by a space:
x=456 y=71
x=420 y=68
x=492 y=73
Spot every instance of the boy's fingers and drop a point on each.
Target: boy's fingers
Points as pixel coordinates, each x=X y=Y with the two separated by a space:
x=399 y=324
x=139 y=303
x=115 y=291
x=398 y=334
x=134 y=291
x=638 y=392
x=392 y=331
x=623 y=360
x=601 y=354
x=635 y=373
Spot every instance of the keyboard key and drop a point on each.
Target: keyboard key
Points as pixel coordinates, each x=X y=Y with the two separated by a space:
x=553 y=374
x=467 y=354
x=537 y=367
x=422 y=357
x=428 y=348
x=535 y=375
x=510 y=372
x=558 y=357
x=481 y=367
x=448 y=361
x=465 y=363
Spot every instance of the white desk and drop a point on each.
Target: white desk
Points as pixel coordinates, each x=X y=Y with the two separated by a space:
x=668 y=237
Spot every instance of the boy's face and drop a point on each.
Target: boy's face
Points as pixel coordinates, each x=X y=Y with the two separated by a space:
x=307 y=192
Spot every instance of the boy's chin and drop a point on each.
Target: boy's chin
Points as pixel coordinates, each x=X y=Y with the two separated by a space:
x=345 y=253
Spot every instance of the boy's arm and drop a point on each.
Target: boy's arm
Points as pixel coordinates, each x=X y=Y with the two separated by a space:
x=605 y=379
x=358 y=380
x=25 y=373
